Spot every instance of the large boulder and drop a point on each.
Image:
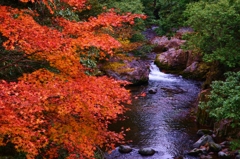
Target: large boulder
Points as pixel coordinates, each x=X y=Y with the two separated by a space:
x=196 y=69
x=182 y=62
x=173 y=59
x=159 y=43
x=175 y=43
x=164 y=43
x=130 y=69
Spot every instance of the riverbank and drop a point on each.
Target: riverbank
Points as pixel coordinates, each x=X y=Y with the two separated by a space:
x=208 y=75
x=160 y=121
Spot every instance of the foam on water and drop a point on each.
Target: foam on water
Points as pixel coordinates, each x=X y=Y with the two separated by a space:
x=157 y=75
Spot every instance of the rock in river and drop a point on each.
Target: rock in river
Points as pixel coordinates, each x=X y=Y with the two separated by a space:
x=202 y=141
x=223 y=155
x=124 y=149
x=153 y=90
x=147 y=151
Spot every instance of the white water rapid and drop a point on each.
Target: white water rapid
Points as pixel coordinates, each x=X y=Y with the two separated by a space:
x=160 y=121
x=157 y=75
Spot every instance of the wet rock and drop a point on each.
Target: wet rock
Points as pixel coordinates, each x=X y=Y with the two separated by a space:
x=206 y=157
x=175 y=43
x=153 y=90
x=163 y=43
x=223 y=155
x=196 y=69
x=214 y=147
x=174 y=59
x=130 y=69
x=160 y=44
x=191 y=68
x=202 y=132
x=197 y=151
x=147 y=151
x=202 y=141
x=124 y=149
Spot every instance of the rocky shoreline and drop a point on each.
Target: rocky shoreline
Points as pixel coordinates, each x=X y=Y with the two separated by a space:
x=204 y=148
x=207 y=148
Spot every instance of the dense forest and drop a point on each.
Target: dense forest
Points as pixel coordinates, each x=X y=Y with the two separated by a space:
x=53 y=102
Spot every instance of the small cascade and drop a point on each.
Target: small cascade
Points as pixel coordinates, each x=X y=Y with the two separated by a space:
x=160 y=121
x=157 y=75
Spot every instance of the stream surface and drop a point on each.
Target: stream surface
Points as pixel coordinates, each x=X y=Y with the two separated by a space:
x=161 y=121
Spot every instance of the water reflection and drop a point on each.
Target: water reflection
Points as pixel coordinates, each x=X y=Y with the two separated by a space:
x=161 y=121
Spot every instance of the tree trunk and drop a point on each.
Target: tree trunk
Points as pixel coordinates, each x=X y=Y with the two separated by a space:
x=154 y=3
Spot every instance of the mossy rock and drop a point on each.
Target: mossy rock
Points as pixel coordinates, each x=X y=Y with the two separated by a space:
x=167 y=68
x=123 y=57
x=200 y=73
x=133 y=70
x=142 y=81
x=117 y=67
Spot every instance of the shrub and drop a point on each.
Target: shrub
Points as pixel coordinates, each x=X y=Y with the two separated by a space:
x=216 y=26
x=224 y=100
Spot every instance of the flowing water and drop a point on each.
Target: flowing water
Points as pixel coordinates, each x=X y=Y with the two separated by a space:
x=161 y=121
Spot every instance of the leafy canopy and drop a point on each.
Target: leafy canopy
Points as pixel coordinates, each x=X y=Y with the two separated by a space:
x=216 y=26
x=166 y=14
x=61 y=109
x=126 y=6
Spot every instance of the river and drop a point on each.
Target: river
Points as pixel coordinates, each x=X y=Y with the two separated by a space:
x=161 y=121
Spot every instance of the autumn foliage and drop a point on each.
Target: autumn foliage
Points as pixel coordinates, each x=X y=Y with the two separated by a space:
x=46 y=112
